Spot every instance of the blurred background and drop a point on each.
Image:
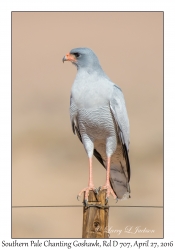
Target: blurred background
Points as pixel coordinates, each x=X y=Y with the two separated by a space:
x=49 y=164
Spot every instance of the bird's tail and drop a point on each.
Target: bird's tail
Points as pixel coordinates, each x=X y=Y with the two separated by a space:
x=119 y=180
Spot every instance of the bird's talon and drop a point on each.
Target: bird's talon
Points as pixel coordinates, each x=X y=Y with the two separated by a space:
x=116 y=199
x=85 y=202
x=96 y=190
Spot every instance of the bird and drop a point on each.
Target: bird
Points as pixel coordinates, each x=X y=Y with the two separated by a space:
x=99 y=118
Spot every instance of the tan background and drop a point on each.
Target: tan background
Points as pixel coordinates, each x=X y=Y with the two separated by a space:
x=49 y=164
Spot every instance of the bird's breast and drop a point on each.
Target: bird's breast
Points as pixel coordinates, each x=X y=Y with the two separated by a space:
x=89 y=92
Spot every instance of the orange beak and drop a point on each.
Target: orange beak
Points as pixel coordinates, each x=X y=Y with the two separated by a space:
x=69 y=57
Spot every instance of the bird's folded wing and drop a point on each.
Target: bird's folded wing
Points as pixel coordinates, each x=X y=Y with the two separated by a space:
x=118 y=108
x=73 y=118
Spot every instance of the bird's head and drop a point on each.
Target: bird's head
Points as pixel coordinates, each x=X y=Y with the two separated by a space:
x=82 y=58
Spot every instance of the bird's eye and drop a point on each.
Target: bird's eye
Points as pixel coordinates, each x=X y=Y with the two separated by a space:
x=77 y=55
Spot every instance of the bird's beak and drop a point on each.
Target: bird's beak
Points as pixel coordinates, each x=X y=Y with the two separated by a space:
x=69 y=57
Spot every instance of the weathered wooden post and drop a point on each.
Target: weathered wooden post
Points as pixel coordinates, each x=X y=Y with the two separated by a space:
x=95 y=216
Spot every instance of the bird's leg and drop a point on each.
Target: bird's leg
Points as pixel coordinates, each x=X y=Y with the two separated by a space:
x=107 y=185
x=90 y=173
x=90 y=183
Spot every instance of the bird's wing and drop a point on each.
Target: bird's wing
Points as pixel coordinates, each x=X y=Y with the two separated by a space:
x=118 y=108
x=73 y=118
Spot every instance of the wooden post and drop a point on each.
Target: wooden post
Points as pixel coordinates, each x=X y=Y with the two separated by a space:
x=95 y=216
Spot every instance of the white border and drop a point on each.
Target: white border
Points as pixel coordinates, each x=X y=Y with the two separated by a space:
x=5 y=91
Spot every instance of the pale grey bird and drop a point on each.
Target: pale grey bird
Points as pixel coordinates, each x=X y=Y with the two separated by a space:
x=99 y=118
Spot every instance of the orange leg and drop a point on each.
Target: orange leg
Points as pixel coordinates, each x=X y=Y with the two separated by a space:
x=107 y=185
x=90 y=184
